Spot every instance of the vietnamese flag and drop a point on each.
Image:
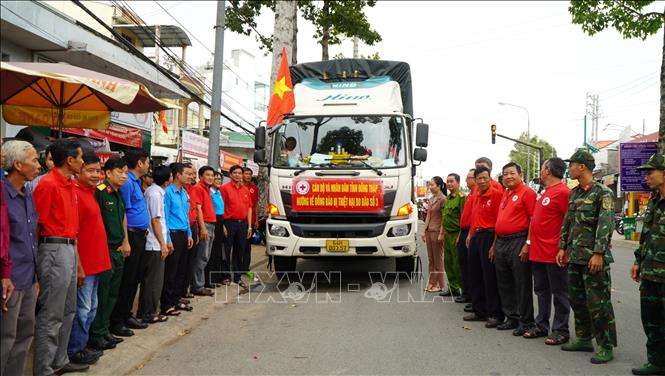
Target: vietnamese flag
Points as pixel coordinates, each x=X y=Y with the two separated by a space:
x=282 y=100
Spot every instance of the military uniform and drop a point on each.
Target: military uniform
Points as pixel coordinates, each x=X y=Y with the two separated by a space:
x=112 y=207
x=650 y=256
x=451 y=214
x=587 y=230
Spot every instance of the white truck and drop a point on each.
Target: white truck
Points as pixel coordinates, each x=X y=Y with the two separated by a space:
x=341 y=166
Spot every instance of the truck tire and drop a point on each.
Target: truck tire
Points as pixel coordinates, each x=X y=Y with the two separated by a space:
x=405 y=265
x=284 y=265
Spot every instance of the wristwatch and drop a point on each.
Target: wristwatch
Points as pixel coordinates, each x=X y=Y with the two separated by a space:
x=528 y=242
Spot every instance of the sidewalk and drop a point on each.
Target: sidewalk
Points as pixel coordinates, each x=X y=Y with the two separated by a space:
x=620 y=240
x=137 y=350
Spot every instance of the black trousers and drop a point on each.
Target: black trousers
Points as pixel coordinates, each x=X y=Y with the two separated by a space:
x=514 y=279
x=174 y=268
x=190 y=258
x=131 y=276
x=152 y=283
x=235 y=246
x=247 y=255
x=463 y=257
x=484 y=293
x=550 y=283
x=213 y=271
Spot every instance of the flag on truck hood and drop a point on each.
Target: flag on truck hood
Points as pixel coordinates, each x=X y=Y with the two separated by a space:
x=282 y=100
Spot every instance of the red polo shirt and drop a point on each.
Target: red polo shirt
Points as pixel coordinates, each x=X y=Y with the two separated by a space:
x=546 y=223
x=515 y=210
x=254 y=196
x=200 y=194
x=92 y=248
x=465 y=220
x=237 y=201
x=486 y=209
x=55 y=201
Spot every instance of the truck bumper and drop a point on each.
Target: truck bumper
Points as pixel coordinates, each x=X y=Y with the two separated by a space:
x=378 y=246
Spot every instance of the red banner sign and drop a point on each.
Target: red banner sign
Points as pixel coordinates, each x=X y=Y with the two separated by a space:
x=337 y=195
x=228 y=160
x=114 y=133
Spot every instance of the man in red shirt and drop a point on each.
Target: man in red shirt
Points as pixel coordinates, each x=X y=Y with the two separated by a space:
x=237 y=216
x=200 y=202
x=513 y=270
x=550 y=281
x=254 y=197
x=94 y=258
x=485 y=300
x=462 y=250
x=55 y=201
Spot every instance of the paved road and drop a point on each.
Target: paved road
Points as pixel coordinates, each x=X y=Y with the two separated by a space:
x=343 y=326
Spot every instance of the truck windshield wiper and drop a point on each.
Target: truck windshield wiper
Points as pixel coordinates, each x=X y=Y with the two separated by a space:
x=378 y=172
x=300 y=171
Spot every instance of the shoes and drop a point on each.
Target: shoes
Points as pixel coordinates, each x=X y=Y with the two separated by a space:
x=602 y=356
x=101 y=344
x=113 y=339
x=189 y=295
x=94 y=352
x=521 y=329
x=474 y=317
x=203 y=292
x=508 y=325
x=84 y=357
x=648 y=369
x=71 y=367
x=468 y=308
x=445 y=293
x=462 y=299
x=184 y=301
x=133 y=323
x=578 y=344
x=121 y=330
x=492 y=323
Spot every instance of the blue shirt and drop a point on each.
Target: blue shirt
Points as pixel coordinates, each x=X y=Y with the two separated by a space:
x=23 y=235
x=217 y=201
x=176 y=210
x=137 y=211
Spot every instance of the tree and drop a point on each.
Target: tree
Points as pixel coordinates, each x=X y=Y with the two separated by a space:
x=632 y=20
x=333 y=20
x=520 y=154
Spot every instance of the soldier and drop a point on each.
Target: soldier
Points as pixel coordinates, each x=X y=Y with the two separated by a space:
x=649 y=269
x=452 y=212
x=585 y=244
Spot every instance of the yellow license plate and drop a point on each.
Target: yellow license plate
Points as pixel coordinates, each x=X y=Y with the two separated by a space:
x=337 y=245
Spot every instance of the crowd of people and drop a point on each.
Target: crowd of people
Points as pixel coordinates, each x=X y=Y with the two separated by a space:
x=503 y=243
x=78 y=243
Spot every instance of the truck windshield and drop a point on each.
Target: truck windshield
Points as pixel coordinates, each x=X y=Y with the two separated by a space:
x=340 y=142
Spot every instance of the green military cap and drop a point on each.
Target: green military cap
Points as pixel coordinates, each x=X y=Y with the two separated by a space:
x=657 y=162
x=583 y=157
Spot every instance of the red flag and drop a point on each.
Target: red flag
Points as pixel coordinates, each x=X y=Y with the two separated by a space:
x=282 y=100
x=162 y=119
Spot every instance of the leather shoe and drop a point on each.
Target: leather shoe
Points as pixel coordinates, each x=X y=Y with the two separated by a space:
x=492 y=323
x=101 y=344
x=521 y=329
x=113 y=339
x=508 y=325
x=468 y=308
x=203 y=292
x=83 y=357
x=93 y=352
x=474 y=317
x=122 y=331
x=71 y=367
x=462 y=299
x=445 y=293
x=133 y=323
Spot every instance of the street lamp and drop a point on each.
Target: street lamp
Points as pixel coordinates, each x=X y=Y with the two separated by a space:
x=528 y=133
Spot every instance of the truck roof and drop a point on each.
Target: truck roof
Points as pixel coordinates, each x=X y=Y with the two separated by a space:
x=398 y=71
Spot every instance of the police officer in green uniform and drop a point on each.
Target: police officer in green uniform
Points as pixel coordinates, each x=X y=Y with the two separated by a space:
x=649 y=269
x=113 y=214
x=585 y=246
x=451 y=214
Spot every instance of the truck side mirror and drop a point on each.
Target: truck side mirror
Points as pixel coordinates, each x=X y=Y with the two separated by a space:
x=260 y=156
x=419 y=154
x=422 y=135
x=260 y=138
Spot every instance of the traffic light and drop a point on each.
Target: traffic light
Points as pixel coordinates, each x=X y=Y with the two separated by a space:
x=493 y=134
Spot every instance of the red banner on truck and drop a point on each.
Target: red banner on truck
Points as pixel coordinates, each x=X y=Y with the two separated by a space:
x=337 y=195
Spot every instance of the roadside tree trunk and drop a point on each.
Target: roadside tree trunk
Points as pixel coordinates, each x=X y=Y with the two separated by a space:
x=325 y=31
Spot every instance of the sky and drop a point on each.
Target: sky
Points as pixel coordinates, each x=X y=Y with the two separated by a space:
x=466 y=57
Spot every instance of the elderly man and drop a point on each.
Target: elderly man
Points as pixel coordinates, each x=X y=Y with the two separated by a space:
x=17 y=326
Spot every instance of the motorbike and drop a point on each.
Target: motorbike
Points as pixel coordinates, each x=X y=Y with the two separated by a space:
x=260 y=233
x=618 y=224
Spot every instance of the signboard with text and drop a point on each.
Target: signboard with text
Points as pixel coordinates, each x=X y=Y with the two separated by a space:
x=631 y=156
x=228 y=160
x=337 y=195
x=114 y=133
x=195 y=145
x=140 y=121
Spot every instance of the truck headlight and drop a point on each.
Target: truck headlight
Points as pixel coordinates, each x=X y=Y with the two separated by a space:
x=399 y=230
x=276 y=230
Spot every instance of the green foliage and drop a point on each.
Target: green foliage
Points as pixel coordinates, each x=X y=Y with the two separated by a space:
x=520 y=153
x=628 y=17
x=333 y=19
x=374 y=56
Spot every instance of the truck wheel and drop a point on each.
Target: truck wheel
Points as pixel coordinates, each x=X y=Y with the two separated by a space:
x=405 y=265
x=284 y=265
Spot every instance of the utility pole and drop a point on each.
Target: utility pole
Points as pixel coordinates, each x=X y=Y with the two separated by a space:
x=355 y=47
x=593 y=109
x=216 y=105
